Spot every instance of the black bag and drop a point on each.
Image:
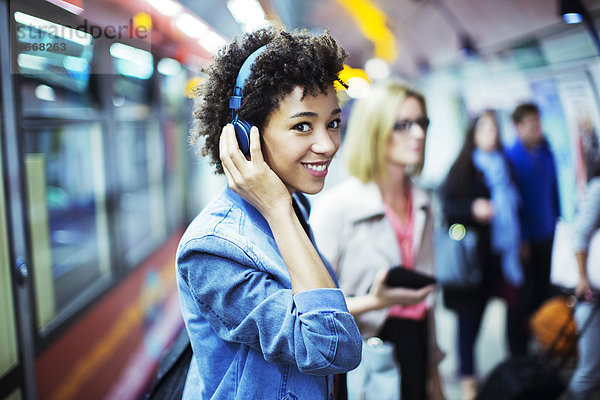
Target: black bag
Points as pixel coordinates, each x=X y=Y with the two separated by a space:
x=523 y=378
x=534 y=377
x=456 y=257
x=172 y=370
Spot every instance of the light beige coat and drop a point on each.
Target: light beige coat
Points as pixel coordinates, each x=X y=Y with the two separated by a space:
x=353 y=234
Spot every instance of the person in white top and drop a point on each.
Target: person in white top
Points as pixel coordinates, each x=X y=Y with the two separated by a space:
x=587 y=374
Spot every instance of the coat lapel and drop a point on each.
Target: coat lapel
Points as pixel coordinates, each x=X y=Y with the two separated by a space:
x=420 y=211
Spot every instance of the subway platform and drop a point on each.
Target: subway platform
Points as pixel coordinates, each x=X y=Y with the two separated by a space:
x=491 y=347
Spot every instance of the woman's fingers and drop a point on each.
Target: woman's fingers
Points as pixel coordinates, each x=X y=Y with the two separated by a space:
x=407 y=296
x=427 y=289
x=252 y=179
x=231 y=155
x=226 y=152
x=256 y=155
x=378 y=281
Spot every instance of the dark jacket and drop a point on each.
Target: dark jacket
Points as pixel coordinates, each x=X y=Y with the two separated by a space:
x=457 y=195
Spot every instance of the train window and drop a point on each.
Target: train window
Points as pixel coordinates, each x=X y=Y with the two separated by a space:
x=141 y=206
x=134 y=68
x=40 y=99
x=68 y=217
x=49 y=56
x=172 y=84
x=8 y=335
x=174 y=140
x=174 y=127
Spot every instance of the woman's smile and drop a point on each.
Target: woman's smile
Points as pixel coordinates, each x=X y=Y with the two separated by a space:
x=318 y=169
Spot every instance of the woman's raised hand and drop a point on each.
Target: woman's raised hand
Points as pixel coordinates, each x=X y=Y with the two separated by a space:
x=252 y=179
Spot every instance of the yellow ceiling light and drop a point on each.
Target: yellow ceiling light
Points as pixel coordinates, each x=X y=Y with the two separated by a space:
x=142 y=20
x=348 y=73
x=192 y=85
x=373 y=24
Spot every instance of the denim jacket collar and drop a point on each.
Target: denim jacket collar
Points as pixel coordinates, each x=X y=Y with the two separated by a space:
x=250 y=210
x=299 y=198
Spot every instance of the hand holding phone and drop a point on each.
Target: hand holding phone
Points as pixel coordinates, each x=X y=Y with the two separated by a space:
x=409 y=278
x=384 y=295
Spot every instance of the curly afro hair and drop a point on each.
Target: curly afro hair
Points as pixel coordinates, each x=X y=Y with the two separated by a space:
x=289 y=60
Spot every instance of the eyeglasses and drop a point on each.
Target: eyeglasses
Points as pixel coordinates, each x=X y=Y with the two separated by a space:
x=407 y=124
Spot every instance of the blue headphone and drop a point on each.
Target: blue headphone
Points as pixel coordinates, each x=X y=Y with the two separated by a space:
x=242 y=127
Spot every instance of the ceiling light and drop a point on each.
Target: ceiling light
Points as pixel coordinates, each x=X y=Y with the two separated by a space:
x=376 y=68
x=572 y=18
x=166 y=7
x=571 y=11
x=212 y=41
x=374 y=25
x=197 y=29
x=65 y=32
x=190 y=25
x=357 y=87
x=248 y=13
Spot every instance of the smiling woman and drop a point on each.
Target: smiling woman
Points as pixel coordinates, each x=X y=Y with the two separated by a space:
x=262 y=308
x=300 y=139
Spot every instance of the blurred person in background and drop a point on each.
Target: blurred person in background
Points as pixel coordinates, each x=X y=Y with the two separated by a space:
x=378 y=219
x=534 y=171
x=587 y=373
x=479 y=193
x=263 y=313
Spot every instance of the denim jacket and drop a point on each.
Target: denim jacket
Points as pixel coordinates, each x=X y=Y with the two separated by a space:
x=252 y=338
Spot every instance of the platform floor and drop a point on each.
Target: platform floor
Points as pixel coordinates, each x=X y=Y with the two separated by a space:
x=491 y=346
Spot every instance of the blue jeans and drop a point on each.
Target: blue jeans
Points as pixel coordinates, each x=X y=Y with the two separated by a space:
x=587 y=374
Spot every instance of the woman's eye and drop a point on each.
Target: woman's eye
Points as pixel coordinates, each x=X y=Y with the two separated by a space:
x=335 y=124
x=302 y=127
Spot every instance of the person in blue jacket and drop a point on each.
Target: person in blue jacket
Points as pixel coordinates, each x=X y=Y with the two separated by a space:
x=534 y=172
x=261 y=306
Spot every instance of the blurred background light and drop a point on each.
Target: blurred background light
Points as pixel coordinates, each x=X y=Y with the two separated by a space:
x=168 y=66
x=248 y=13
x=376 y=68
x=166 y=7
x=45 y=93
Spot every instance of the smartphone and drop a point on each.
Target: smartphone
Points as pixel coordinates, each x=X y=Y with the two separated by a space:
x=403 y=277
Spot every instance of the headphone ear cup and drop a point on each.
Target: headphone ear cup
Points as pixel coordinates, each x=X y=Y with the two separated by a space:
x=242 y=132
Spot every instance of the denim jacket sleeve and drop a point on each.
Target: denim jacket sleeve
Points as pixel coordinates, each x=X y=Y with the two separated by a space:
x=246 y=304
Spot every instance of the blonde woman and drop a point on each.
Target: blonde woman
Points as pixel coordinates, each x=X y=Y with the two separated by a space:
x=379 y=219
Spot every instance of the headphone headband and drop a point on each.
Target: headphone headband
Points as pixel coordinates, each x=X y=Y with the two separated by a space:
x=235 y=101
